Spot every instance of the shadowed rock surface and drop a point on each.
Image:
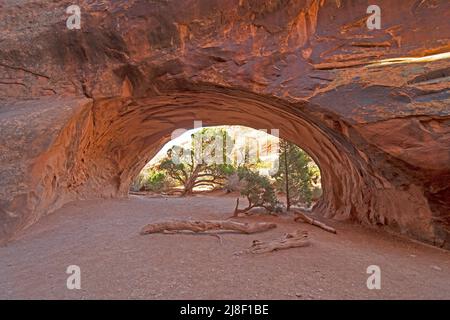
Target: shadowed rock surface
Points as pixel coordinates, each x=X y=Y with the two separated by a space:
x=82 y=111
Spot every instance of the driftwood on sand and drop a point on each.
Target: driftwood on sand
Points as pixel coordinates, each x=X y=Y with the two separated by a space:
x=303 y=217
x=206 y=225
x=289 y=240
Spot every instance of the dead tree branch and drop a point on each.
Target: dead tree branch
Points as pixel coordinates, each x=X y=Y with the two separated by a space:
x=289 y=240
x=303 y=217
x=206 y=225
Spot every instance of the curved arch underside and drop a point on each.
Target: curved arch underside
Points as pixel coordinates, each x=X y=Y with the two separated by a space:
x=96 y=105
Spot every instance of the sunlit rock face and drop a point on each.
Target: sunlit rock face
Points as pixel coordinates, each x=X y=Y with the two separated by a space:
x=82 y=111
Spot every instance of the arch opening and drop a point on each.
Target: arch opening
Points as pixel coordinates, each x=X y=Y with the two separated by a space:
x=105 y=143
x=214 y=160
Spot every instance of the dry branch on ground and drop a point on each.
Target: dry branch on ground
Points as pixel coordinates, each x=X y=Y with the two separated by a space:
x=303 y=217
x=289 y=240
x=206 y=225
x=250 y=206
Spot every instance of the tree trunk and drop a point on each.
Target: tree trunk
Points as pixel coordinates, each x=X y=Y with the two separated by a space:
x=286 y=177
x=245 y=210
x=206 y=225
x=314 y=222
x=189 y=186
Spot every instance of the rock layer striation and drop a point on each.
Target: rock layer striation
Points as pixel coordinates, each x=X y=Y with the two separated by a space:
x=82 y=111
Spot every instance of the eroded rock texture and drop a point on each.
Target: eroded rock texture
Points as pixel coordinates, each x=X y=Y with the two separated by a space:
x=82 y=111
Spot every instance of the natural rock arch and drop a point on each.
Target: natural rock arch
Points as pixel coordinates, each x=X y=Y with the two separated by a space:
x=82 y=111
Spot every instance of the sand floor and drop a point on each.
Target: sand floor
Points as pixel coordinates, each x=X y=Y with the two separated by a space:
x=102 y=238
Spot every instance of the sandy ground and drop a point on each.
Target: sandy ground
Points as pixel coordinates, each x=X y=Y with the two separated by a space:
x=102 y=237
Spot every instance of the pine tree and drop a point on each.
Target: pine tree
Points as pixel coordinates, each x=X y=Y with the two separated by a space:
x=294 y=176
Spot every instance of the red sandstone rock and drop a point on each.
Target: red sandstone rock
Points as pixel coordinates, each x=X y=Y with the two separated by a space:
x=81 y=111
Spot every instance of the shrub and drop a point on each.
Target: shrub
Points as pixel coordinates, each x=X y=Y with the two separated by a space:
x=150 y=180
x=258 y=190
x=155 y=181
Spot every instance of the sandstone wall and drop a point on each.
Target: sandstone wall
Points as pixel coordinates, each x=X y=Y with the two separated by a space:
x=81 y=111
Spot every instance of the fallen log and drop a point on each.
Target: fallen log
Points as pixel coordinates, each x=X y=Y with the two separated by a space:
x=289 y=240
x=206 y=225
x=303 y=217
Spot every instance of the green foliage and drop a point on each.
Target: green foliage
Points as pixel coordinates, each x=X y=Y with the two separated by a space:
x=150 y=180
x=226 y=169
x=175 y=170
x=155 y=181
x=258 y=190
x=205 y=163
x=299 y=170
